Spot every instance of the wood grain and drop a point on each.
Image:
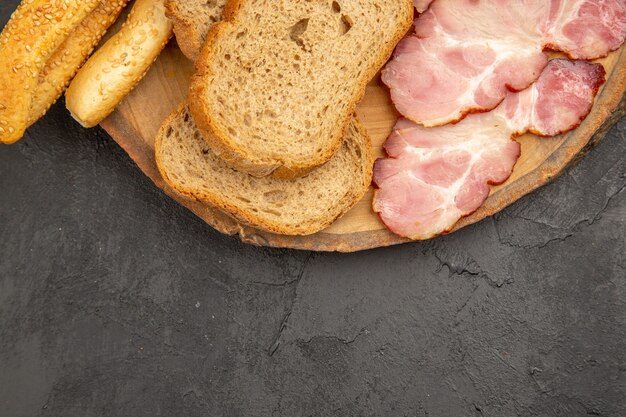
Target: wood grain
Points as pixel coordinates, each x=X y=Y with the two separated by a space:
x=136 y=121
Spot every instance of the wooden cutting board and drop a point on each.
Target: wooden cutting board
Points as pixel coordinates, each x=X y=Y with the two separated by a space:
x=136 y=121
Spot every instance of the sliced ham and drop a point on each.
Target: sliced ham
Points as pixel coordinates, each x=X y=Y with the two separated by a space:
x=434 y=176
x=466 y=54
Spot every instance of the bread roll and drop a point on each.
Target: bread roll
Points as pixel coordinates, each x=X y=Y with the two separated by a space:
x=116 y=68
x=36 y=29
x=70 y=56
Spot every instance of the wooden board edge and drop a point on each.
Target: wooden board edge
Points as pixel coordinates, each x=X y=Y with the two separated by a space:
x=609 y=108
x=612 y=99
x=143 y=156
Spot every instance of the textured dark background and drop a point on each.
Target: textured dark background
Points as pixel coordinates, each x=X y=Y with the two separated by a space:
x=115 y=301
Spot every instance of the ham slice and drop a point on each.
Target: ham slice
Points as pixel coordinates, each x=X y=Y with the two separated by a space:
x=466 y=54
x=434 y=176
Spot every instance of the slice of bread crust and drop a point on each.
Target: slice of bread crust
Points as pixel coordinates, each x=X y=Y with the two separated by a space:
x=278 y=81
x=292 y=207
x=192 y=21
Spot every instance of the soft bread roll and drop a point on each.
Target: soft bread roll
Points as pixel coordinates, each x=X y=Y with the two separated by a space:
x=34 y=32
x=68 y=58
x=116 y=68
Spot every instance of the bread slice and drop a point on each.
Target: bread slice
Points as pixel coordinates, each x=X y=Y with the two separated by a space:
x=292 y=207
x=192 y=21
x=278 y=81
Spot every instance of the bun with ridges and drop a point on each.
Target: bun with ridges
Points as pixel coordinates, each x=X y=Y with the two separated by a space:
x=32 y=35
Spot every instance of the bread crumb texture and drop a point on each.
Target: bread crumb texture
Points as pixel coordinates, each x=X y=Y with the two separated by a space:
x=301 y=206
x=279 y=82
x=192 y=21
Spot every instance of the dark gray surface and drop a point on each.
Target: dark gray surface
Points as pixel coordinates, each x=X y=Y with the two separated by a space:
x=115 y=301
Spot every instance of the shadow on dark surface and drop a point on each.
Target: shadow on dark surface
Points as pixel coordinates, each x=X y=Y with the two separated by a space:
x=115 y=300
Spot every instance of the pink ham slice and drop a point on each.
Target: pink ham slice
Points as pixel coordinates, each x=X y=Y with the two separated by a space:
x=434 y=176
x=466 y=54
